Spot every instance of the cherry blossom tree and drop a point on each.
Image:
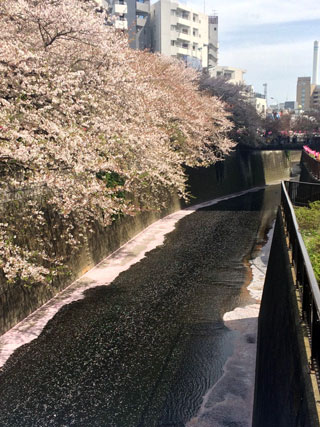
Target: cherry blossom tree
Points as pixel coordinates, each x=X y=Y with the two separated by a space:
x=107 y=129
x=243 y=113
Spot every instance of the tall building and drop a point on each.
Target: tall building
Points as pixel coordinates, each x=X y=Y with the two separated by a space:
x=181 y=32
x=141 y=28
x=304 y=93
x=308 y=94
x=131 y=16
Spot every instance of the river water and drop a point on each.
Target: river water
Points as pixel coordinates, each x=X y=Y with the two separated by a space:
x=149 y=336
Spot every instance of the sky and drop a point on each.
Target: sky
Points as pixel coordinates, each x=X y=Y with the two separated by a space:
x=272 y=40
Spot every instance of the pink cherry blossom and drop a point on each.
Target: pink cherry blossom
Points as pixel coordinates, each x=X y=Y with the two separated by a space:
x=76 y=101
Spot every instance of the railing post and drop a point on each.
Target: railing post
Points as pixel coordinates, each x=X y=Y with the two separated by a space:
x=306 y=282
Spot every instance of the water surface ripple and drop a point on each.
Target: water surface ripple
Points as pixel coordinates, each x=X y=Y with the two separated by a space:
x=144 y=350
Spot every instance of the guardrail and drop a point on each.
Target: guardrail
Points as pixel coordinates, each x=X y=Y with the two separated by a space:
x=302 y=193
x=311 y=164
x=306 y=282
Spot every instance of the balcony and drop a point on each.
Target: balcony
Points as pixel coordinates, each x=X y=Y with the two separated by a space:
x=141 y=21
x=142 y=7
x=183 y=36
x=120 y=9
x=183 y=50
x=183 y=21
x=121 y=24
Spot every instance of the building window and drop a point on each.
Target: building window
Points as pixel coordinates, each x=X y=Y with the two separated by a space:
x=185 y=45
x=173 y=12
x=215 y=28
x=173 y=28
x=173 y=42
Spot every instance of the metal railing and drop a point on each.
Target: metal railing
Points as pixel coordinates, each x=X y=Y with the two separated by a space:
x=306 y=281
x=311 y=164
x=302 y=193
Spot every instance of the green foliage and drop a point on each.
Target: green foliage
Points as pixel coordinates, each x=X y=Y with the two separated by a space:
x=177 y=137
x=112 y=179
x=309 y=223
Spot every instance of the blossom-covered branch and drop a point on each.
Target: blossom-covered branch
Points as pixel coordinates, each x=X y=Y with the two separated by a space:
x=106 y=127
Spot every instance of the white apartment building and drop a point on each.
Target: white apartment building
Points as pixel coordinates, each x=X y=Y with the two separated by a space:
x=179 y=31
x=231 y=74
x=132 y=16
x=260 y=102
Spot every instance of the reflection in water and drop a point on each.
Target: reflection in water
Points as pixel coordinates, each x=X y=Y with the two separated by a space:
x=146 y=349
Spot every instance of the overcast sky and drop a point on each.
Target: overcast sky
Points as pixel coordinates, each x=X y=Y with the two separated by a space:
x=272 y=40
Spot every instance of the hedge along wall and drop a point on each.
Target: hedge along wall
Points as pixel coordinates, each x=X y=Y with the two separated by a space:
x=18 y=300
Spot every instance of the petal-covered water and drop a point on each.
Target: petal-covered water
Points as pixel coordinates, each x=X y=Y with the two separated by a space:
x=144 y=350
x=149 y=343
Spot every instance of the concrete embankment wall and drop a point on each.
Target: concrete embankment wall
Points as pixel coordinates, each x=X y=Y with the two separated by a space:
x=240 y=171
x=18 y=300
x=283 y=393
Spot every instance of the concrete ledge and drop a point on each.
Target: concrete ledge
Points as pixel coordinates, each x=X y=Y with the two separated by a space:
x=18 y=301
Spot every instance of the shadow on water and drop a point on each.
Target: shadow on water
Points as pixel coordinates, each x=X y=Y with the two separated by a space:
x=143 y=351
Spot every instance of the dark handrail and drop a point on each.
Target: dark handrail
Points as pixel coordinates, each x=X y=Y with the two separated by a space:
x=306 y=281
x=302 y=193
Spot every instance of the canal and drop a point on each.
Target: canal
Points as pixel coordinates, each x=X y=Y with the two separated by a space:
x=146 y=349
